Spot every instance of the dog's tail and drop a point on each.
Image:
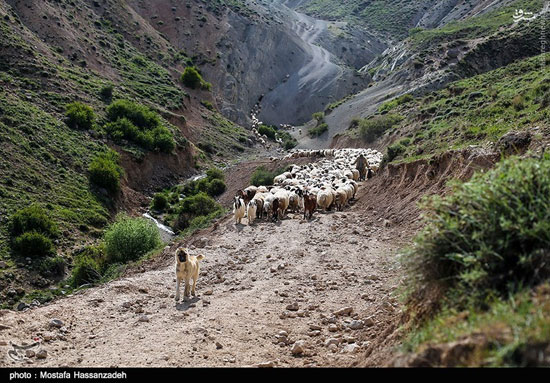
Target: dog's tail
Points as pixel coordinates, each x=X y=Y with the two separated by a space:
x=200 y=257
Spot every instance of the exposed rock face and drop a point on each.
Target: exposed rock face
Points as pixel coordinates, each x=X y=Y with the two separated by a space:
x=297 y=63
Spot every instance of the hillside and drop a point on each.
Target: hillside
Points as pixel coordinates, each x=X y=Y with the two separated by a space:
x=130 y=129
x=431 y=58
x=56 y=53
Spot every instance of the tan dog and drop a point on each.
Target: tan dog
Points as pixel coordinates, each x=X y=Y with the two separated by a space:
x=187 y=268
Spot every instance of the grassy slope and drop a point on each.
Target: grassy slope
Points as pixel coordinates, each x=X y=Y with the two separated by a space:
x=44 y=161
x=391 y=17
x=475 y=110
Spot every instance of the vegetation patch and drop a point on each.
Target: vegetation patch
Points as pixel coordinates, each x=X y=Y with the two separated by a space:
x=105 y=172
x=372 y=128
x=485 y=249
x=191 y=78
x=79 y=116
x=140 y=125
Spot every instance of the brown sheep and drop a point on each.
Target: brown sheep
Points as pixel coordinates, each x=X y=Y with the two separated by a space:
x=310 y=203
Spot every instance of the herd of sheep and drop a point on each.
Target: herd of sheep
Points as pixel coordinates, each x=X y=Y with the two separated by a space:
x=330 y=182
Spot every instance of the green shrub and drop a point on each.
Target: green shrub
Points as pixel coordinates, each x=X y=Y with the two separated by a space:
x=386 y=107
x=262 y=176
x=88 y=266
x=160 y=202
x=79 y=116
x=139 y=115
x=138 y=124
x=319 y=117
x=491 y=235
x=372 y=128
x=191 y=78
x=394 y=151
x=106 y=92
x=105 y=171
x=33 y=218
x=163 y=140
x=318 y=130
x=33 y=244
x=215 y=173
x=53 y=266
x=199 y=204
x=518 y=103
x=207 y=104
x=127 y=239
x=216 y=187
x=269 y=131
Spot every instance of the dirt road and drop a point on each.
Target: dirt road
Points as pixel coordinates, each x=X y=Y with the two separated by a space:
x=292 y=293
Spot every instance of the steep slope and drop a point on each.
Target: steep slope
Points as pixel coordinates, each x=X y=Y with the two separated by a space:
x=266 y=51
x=431 y=58
x=53 y=53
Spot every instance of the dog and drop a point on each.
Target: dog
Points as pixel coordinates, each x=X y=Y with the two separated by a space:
x=187 y=268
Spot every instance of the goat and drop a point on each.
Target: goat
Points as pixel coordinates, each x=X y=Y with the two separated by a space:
x=238 y=209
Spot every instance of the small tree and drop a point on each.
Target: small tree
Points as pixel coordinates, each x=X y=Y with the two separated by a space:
x=79 y=116
x=192 y=78
x=105 y=171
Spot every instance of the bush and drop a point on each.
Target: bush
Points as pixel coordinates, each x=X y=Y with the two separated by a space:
x=518 y=103
x=53 y=266
x=33 y=244
x=199 y=204
x=105 y=171
x=140 y=125
x=269 y=131
x=160 y=202
x=106 y=92
x=386 y=107
x=191 y=78
x=216 y=187
x=318 y=130
x=79 y=116
x=88 y=266
x=128 y=239
x=394 y=151
x=33 y=218
x=319 y=117
x=491 y=235
x=215 y=174
x=373 y=128
x=139 y=115
x=262 y=176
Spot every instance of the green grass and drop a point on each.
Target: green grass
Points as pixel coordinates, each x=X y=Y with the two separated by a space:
x=484 y=250
x=509 y=324
x=474 y=27
x=474 y=111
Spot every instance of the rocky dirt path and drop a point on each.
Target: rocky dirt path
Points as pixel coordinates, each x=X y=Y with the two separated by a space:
x=292 y=293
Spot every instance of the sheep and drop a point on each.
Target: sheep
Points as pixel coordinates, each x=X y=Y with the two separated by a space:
x=251 y=211
x=238 y=209
x=259 y=201
x=310 y=202
x=249 y=193
x=325 y=198
x=340 y=199
x=294 y=201
x=284 y=200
